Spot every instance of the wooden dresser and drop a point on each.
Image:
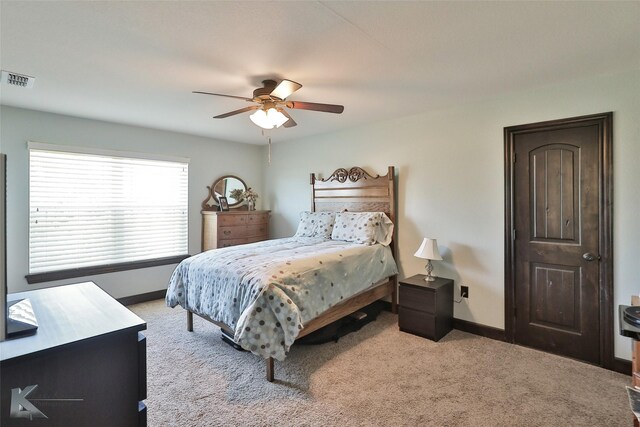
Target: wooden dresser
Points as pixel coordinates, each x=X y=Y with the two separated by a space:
x=230 y=228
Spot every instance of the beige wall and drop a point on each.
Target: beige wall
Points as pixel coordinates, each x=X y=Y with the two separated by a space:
x=210 y=159
x=451 y=183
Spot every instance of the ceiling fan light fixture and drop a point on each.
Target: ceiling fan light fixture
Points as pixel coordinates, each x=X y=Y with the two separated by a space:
x=269 y=102
x=269 y=119
x=276 y=117
x=260 y=118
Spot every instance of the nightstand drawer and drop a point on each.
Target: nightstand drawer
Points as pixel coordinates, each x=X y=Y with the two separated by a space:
x=417 y=298
x=417 y=322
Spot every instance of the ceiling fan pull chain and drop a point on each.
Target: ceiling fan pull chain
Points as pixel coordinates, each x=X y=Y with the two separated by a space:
x=269 y=138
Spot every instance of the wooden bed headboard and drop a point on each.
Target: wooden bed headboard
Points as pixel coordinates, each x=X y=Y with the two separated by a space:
x=355 y=190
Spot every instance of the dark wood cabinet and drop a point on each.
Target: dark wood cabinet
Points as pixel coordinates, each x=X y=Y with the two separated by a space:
x=85 y=366
x=632 y=330
x=426 y=308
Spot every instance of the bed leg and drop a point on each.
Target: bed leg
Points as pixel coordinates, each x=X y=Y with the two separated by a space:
x=189 y=321
x=270 y=369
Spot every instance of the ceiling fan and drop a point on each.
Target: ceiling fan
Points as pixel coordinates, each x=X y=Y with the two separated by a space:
x=271 y=100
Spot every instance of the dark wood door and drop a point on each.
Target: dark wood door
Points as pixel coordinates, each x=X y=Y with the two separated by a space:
x=556 y=193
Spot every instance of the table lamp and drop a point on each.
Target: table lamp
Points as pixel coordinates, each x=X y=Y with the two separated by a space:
x=428 y=250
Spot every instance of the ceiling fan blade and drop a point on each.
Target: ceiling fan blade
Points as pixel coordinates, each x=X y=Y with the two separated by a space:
x=285 y=88
x=233 y=113
x=220 y=94
x=326 y=108
x=289 y=123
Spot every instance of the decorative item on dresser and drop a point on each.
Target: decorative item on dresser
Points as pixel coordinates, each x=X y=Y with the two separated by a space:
x=223 y=203
x=230 y=228
x=228 y=186
x=426 y=307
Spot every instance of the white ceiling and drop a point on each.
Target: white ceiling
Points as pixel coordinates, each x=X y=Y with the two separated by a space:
x=137 y=62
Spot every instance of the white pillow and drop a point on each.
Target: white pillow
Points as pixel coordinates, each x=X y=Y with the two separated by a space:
x=315 y=224
x=363 y=227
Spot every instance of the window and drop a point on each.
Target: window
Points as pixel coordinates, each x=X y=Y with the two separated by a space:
x=92 y=208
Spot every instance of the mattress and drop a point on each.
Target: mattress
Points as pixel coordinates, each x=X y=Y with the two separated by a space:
x=266 y=291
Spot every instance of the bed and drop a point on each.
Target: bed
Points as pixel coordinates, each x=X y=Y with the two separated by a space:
x=268 y=294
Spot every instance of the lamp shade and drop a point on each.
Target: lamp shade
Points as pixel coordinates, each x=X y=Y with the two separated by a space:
x=428 y=249
x=276 y=117
x=260 y=119
x=268 y=119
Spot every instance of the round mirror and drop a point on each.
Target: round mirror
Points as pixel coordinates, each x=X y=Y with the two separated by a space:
x=225 y=186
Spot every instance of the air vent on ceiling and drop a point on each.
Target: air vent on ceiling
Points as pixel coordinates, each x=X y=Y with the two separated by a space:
x=15 y=79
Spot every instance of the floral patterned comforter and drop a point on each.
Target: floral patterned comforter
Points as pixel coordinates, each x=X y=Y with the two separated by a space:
x=267 y=291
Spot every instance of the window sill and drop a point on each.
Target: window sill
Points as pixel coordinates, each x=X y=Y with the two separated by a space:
x=50 y=276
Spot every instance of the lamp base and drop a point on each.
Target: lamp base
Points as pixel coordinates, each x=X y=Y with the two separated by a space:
x=429 y=268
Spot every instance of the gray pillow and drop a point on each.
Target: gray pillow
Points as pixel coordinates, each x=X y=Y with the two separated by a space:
x=315 y=224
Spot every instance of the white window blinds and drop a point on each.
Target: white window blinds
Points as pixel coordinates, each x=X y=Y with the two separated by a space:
x=91 y=209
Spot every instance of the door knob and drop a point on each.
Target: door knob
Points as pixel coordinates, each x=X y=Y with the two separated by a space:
x=590 y=257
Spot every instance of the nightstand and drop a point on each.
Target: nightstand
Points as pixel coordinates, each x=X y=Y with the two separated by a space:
x=426 y=308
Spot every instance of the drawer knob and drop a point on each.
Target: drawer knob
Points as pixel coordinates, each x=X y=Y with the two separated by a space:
x=227 y=232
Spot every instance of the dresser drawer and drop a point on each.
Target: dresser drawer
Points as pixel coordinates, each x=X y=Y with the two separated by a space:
x=417 y=322
x=232 y=232
x=417 y=298
x=258 y=218
x=225 y=243
x=142 y=414
x=142 y=366
x=257 y=230
x=231 y=220
x=230 y=228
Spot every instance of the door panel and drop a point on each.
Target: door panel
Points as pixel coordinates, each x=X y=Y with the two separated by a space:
x=555 y=297
x=554 y=172
x=556 y=218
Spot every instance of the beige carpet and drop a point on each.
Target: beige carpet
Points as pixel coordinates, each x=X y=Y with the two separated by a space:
x=376 y=376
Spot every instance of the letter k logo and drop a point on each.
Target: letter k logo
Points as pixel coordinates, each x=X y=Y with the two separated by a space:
x=21 y=407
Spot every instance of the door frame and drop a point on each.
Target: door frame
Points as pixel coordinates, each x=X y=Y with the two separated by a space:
x=605 y=226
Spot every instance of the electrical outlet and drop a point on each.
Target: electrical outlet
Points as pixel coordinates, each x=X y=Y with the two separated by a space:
x=464 y=291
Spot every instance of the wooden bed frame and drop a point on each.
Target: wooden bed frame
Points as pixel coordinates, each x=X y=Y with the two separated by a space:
x=353 y=190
